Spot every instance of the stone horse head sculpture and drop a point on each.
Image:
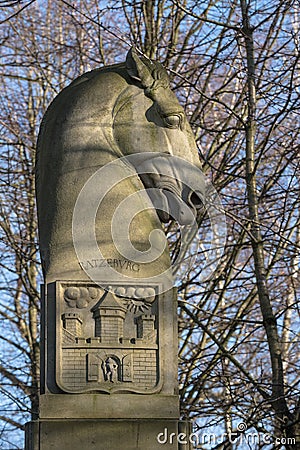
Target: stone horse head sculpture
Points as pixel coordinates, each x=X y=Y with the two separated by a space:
x=103 y=116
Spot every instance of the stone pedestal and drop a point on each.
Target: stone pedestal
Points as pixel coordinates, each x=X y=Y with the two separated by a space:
x=108 y=369
x=107 y=434
x=109 y=170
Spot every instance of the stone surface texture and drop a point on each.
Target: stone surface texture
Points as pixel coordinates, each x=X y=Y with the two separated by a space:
x=116 y=435
x=105 y=114
x=109 y=345
x=106 y=343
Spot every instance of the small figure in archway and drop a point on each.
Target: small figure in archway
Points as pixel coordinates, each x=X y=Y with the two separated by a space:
x=111 y=370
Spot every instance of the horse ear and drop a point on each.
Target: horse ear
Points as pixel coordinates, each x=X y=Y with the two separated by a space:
x=138 y=69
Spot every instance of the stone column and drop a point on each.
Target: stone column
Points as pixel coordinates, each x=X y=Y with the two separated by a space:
x=109 y=371
x=106 y=177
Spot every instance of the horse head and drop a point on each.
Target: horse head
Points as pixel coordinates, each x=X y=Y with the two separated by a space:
x=123 y=110
x=156 y=123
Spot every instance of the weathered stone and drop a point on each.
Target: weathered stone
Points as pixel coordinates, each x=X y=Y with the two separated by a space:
x=125 y=109
x=116 y=434
x=114 y=406
x=105 y=345
x=109 y=327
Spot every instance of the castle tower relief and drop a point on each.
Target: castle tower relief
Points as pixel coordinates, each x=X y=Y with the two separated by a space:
x=109 y=317
x=107 y=342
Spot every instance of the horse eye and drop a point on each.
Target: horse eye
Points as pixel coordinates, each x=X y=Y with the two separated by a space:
x=172 y=121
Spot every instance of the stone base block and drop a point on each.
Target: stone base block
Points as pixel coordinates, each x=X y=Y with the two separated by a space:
x=107 y=435
x=118 y=406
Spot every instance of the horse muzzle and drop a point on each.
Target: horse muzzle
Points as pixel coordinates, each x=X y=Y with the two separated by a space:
x=173 y=205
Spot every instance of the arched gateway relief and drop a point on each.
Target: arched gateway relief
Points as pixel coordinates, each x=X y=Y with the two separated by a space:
x=107 y=340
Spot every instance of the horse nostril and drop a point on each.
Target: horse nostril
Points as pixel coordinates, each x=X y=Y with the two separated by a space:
x=195 y=200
